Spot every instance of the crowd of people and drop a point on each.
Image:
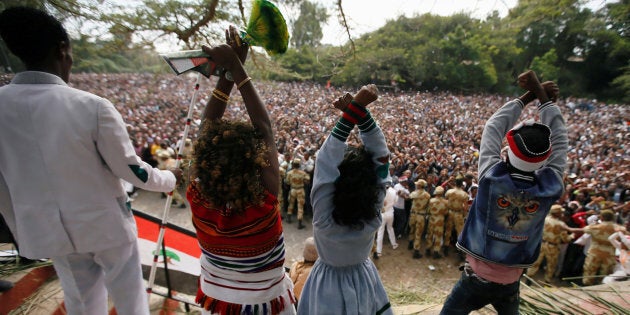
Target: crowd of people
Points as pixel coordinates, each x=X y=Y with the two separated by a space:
x=424 y=153
x=434 y=136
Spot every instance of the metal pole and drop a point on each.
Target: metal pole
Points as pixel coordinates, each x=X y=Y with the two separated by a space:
x=167 y=206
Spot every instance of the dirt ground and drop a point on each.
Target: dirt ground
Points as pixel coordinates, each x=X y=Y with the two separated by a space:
x=416 y=281
x=407 y=280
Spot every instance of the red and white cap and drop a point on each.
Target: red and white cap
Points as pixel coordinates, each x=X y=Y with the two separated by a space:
x=529 y=146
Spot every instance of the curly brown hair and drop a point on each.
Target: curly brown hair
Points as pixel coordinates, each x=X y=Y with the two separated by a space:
x=227 y=161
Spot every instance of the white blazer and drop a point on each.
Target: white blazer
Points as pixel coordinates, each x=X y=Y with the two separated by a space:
x=63 y=152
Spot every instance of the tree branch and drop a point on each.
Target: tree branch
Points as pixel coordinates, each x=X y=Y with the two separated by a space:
x=344 y=23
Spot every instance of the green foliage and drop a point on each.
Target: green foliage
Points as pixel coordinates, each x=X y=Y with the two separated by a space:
x=317 y=64
x=100 y=58
x=623 y=83
x=545 y=66
x=307 y=29
x=608 y=51
x=586 y=52
x=424 y=52
x=191 y=23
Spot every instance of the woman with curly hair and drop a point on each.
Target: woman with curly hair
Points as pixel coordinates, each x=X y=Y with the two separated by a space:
x=347 y=195
x=234 y=200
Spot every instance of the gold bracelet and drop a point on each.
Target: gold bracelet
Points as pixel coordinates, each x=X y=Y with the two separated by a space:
x=221 y=93
x=240 y=85
x=220 y=98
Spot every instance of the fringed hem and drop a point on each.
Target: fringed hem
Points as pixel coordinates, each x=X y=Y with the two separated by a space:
x=216 y=306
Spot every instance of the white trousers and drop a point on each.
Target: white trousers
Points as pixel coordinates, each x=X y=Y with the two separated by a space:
x=388 y=221
x=86 y=278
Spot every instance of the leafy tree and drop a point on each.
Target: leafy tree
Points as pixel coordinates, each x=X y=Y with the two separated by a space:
x=425 y=52
x=188 y=21
x=586 y=52
x=496 y=40
x=307 y=29
x=545 y=66
x=623 y=83
x=608 y=51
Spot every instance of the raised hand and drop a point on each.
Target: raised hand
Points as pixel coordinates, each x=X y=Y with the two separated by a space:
x=366 y=95
x=233 y=39
x=552 y=90
x=224 y=56
x=528 y=81
x=343 y=102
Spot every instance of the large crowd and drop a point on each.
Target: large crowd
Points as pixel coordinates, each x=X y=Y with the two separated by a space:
x=435 y=135
x=75 y=155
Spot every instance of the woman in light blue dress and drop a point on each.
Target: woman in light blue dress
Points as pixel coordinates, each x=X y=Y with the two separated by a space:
x=347 y=195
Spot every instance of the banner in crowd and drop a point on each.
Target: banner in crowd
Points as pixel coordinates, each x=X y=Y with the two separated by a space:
x=178 y=263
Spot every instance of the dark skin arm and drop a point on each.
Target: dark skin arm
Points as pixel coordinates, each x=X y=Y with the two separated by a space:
x=227 y=57
x=366 y=95
x=529 y=82
x=550 y=88
x=215 y=107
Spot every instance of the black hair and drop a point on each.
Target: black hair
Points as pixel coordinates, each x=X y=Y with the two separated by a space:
x=30 y=33
x=459 y=182
x=356 y=189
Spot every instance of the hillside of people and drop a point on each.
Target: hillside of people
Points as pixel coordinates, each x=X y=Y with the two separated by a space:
x=432 y=136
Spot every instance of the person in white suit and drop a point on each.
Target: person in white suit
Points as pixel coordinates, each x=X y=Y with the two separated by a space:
x=387 y=212
x=63 y=154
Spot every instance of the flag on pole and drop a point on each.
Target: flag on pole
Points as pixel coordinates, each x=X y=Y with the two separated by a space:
x=267 y=28
x=191 y=60
x=178 y=263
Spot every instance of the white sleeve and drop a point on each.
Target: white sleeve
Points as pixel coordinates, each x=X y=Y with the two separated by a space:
x=115 y=148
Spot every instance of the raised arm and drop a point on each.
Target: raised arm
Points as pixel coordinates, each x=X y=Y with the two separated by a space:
x=550 y=115
x=355 y=112
x=226 y=56
x=221 y=93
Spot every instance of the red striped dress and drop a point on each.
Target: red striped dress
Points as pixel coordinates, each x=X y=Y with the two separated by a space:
x=242 y=261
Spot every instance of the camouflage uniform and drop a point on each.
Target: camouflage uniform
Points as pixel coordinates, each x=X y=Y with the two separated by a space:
x=554 y=234
x=601 y=254
x=419 y=211
x=187 y=156
x=438 y=208
x=167 y=162
x=457 y=204
x=297 y=178
x=283 y=174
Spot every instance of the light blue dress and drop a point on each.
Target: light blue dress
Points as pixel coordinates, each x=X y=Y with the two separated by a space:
x=344 y=280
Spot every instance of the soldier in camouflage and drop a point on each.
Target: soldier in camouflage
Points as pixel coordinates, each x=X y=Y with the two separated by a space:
x=283 y=174
x=417 y=220
x=167 y=162
x=457 y=206
x=438 y=208
x=555 y=233
x=297 y=178
x=600 y=258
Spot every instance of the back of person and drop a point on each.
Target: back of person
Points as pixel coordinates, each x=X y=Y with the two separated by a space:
x=344 y=280
x=64 y=153
x=53 y=162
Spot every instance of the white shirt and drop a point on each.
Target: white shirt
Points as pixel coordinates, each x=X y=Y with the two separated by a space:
x=390 y=199
x=63 y=154
x=400 y=201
